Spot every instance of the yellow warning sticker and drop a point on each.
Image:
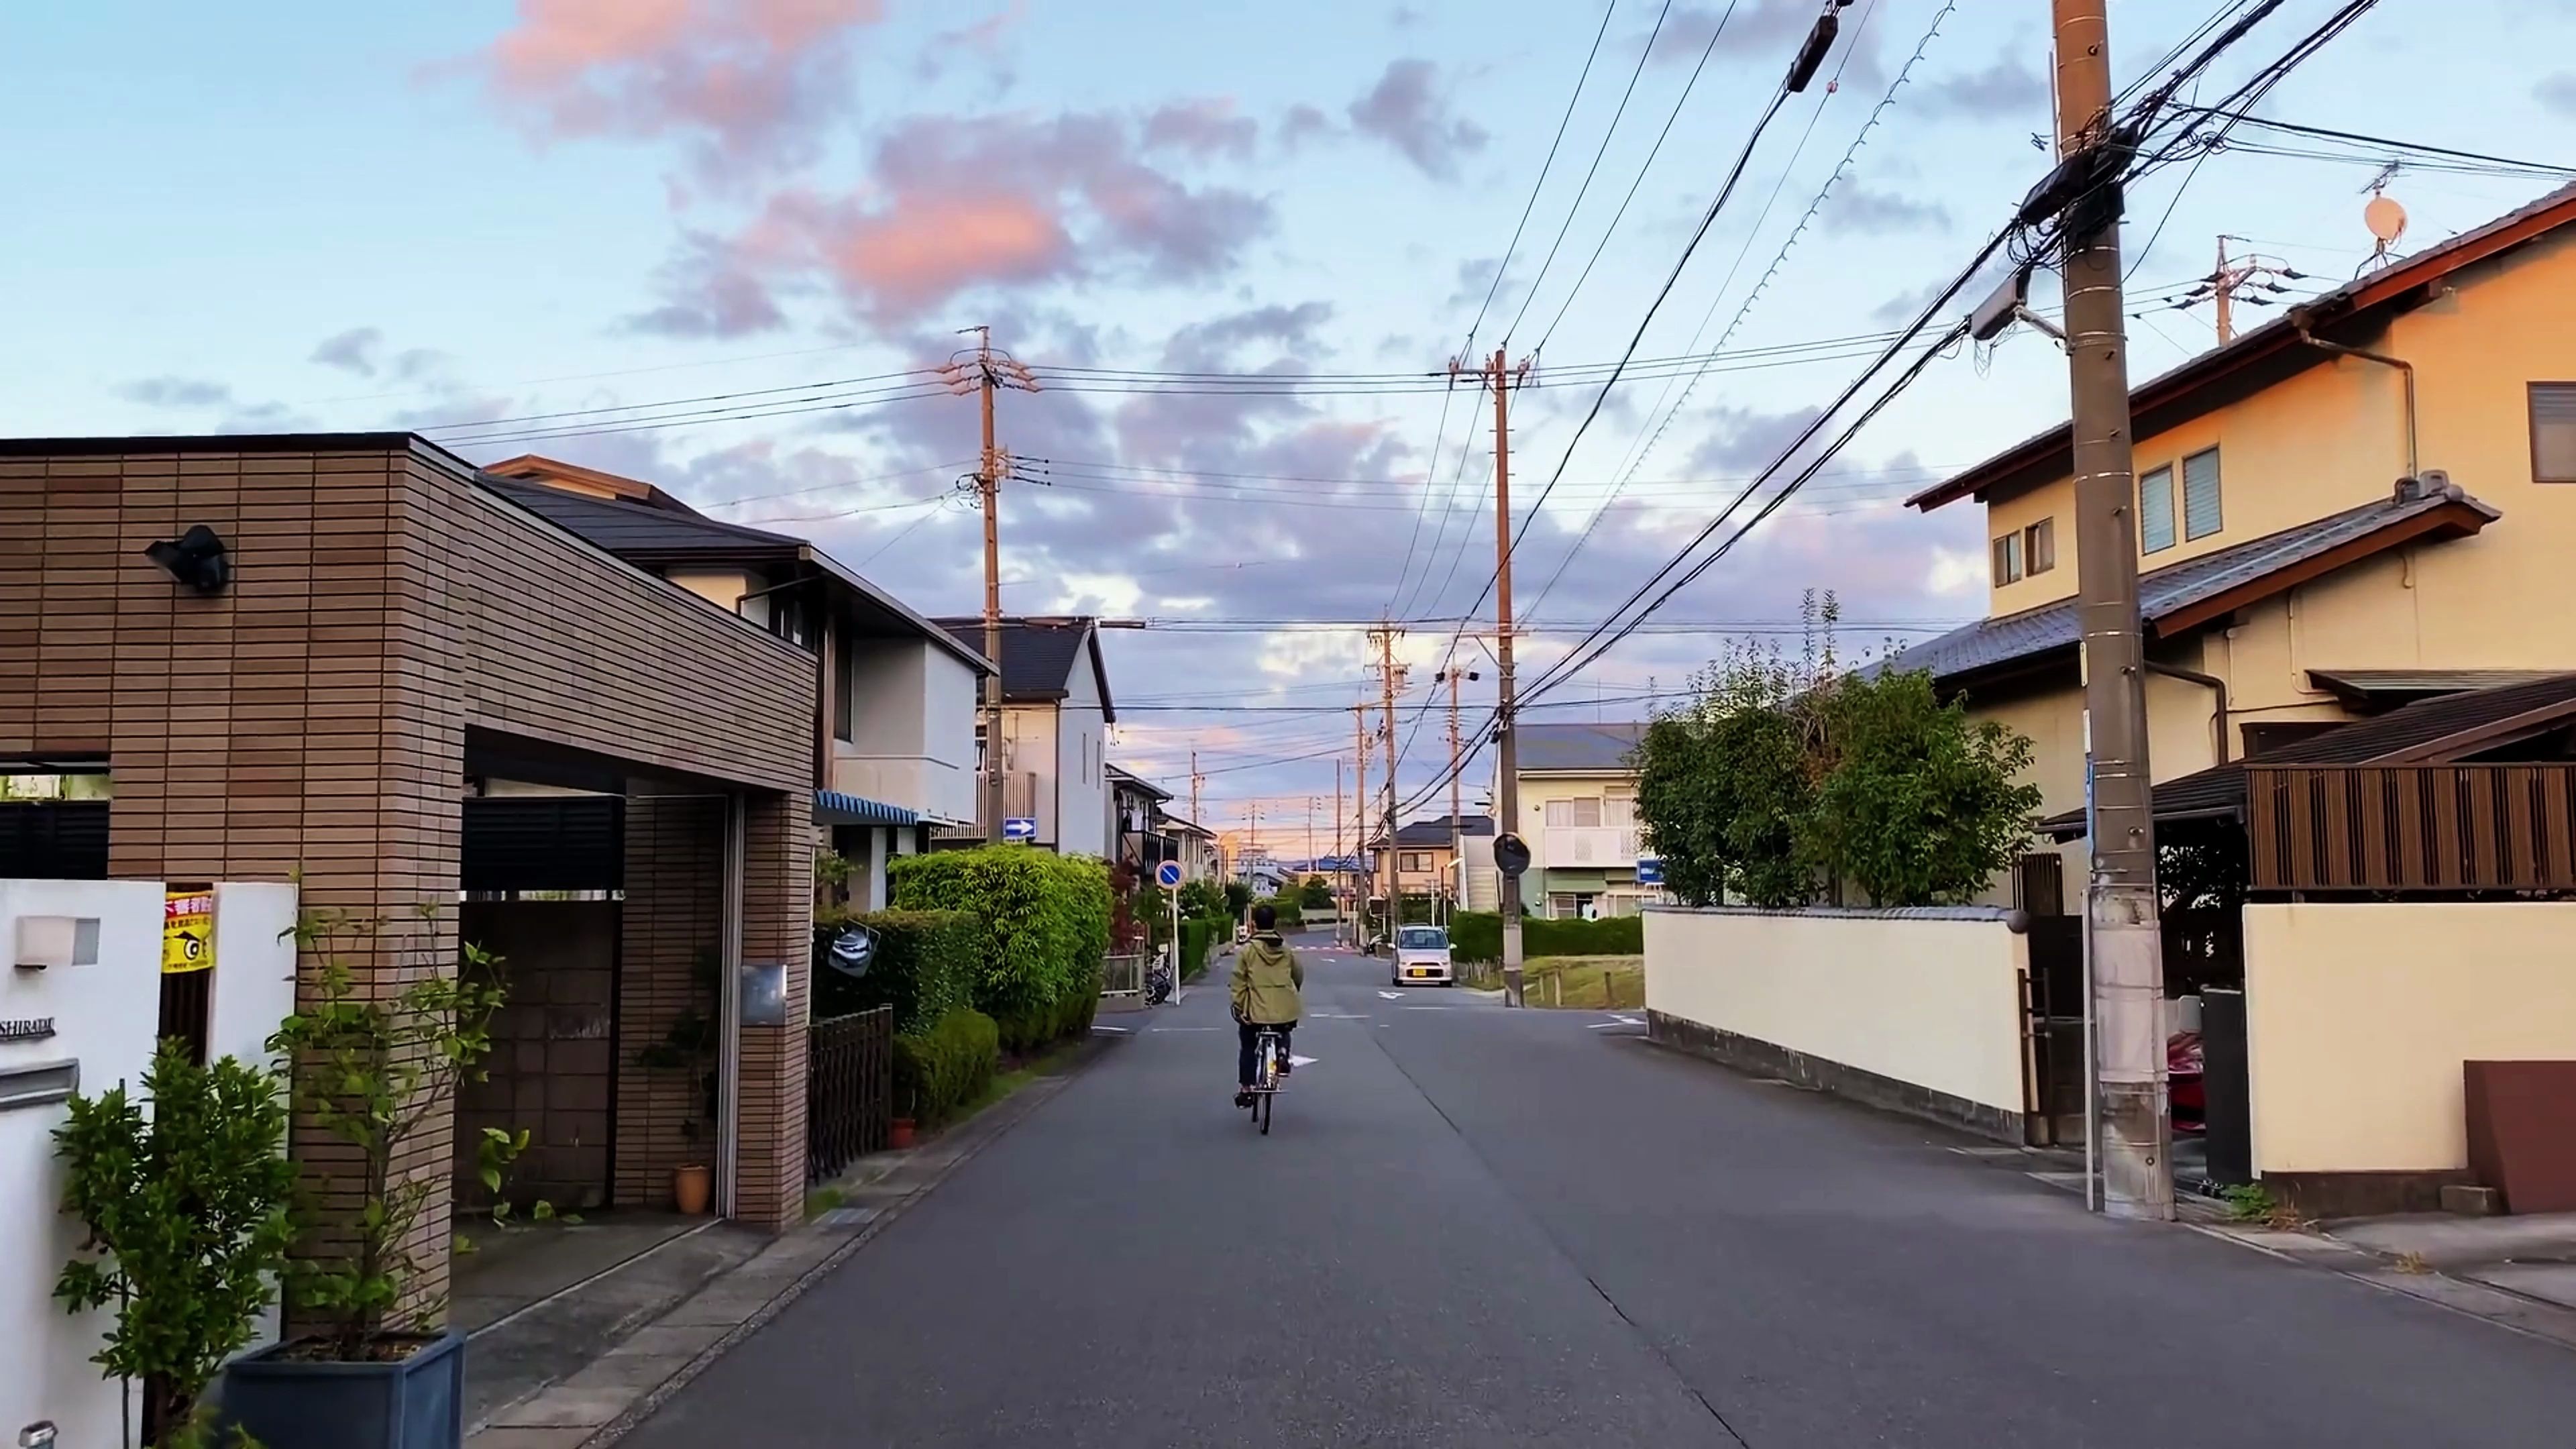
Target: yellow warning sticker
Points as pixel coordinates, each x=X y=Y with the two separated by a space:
x=188 y=931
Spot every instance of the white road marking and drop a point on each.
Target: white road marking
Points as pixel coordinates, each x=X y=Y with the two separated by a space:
x=1151 y=1029
x=1426 y=1008
x=1341 y=1016
x=1096 y=1026
x=1616 y=1021
x=1295 y=1060
x=1392 y=995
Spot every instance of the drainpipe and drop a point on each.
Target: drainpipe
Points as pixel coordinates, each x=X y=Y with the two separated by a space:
x=2384 y=360
x=2210 y=682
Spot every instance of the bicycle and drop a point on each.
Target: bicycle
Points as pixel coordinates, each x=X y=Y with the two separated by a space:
x=1265 y=1077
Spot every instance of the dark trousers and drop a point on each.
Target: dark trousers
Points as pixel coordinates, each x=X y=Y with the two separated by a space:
x=1246 y=1033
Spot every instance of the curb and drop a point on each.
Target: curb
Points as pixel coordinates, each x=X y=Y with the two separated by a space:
x=2513 y=1312
x=941 y=1159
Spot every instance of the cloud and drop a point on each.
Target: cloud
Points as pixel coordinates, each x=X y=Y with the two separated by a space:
x=2558 y=93
x=753 y=81
x=2008 y=87
x=350 y=351
x=1905 y=306
x=950 y=205
x=1304 y=123
x=1406 y=111
x=1882 y=213
x=1202 y=128
x=175 y=392
x=981 y=39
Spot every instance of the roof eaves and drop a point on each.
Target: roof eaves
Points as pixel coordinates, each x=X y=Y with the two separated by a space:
x=849 y=578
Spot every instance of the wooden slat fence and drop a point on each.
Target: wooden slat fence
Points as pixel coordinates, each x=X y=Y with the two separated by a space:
x=2425 y=828
x=850 y=1090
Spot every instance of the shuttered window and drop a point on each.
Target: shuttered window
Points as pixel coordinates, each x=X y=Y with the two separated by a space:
x=2039 y=546
x=2553 y=432
x=2155 y=511
x=2008 y=558
x=2200 y=514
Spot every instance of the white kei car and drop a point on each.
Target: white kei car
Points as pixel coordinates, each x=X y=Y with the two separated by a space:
x=1421 y=957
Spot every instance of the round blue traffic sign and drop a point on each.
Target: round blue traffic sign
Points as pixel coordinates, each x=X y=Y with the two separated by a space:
x=1168 y=875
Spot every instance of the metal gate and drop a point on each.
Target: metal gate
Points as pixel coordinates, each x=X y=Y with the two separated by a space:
x=849 y=1090
x=2053 y=1034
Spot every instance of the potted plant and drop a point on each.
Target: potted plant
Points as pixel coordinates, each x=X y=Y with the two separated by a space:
x=371 y=1073
x=689 y=1045
x=187 y=1226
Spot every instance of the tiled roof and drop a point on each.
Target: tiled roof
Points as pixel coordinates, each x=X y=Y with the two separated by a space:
x=1039 y=656
x=1545 y=747
x=2366 y=689
x=2267 y=354
x=2220 y=790
x=2171 y=591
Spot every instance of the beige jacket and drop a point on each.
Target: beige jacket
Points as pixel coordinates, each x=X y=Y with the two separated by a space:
x=1266 y=982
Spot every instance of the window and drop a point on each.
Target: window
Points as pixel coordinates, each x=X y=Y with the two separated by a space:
x=1619 y=811
x=1411 y=862
x=2155 y=510
x=2039 y=546
x=844 y=686
x=2008 y=559
x=1567 y=905
x=2553 y=432
x=1574 y=814
x=2200 y=494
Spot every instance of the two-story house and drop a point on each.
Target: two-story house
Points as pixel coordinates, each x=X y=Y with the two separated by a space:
x=2368 y=501
x=1578 y=813
x=1427 y=855
x=1056 y=713
x=894 y=739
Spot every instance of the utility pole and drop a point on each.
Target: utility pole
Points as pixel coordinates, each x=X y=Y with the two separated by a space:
x=2131 y=1131
x=1383 y=637
x=2223 y=284
x=986 y=372
x=1337 y=848
x=1195 y=817
x=1457 y=829
x=1359 y=825
x=1507 y=786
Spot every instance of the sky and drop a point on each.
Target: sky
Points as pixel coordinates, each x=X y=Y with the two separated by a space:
x=706 y=243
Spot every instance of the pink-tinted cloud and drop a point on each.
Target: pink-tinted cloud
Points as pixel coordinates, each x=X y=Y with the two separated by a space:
x=1005 y=200
x=753 y=80
x=1203 y=128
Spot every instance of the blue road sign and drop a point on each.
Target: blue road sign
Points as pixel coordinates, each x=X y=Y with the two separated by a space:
x=1168 y=875
x=1650 y=872
x=1021 y=828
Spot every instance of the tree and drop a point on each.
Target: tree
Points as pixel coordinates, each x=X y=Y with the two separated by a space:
x=1202 y=898
x=1316 y=894
x=186 y=1222
x=1238 y=898
x=1920 y=806
x=1724 y=781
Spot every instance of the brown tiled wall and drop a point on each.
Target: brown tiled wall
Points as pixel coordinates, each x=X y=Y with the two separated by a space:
x=778 y=925
x=310 y=720
x=672 y=932
x=552 y=1064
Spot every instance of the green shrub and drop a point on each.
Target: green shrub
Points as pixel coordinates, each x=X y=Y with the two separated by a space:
x=1043 y=928
x=1478 y=936
x=925 y=968
x=1198 y=935
x=1291 y=915
x=945 y=1068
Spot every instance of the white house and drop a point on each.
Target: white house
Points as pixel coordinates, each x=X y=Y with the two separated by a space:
x=1056 y=713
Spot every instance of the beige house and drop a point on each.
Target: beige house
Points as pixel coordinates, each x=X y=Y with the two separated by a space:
x=2369 y=501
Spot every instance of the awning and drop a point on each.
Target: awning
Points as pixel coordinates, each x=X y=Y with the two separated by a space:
x=831 y=807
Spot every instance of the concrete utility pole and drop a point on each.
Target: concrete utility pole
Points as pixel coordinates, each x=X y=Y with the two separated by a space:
x=1384 y=638
x=1507 y=785
x=1457 y=830
x=2223 y=285
x=1195 y=817
x=986 y=372
x=1337 y=849
x=2132 y=1133
x=1359 y=824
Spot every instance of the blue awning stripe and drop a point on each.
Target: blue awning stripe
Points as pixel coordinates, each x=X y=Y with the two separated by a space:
x=831 y=807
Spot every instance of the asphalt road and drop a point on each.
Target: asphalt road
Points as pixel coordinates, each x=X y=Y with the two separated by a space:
x=1483 y=1228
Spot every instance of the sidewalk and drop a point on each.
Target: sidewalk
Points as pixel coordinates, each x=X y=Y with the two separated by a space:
x=597 y=1404
x=2518 y=1272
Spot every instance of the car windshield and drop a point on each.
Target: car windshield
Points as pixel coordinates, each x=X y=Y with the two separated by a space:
x=1422 y=938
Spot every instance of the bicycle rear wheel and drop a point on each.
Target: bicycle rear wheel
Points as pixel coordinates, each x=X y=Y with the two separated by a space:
x=1261 y=1109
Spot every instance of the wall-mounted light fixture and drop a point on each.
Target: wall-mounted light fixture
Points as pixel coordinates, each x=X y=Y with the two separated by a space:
x=196 y=559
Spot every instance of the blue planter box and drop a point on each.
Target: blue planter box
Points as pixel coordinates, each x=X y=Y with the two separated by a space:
x=413 y=1403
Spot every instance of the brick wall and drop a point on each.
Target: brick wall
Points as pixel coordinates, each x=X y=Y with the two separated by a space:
x=310 y=721
x=778 y=925
x=672 y=931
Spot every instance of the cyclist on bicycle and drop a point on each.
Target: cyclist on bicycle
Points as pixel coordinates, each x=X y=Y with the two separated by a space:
x=1265 y=986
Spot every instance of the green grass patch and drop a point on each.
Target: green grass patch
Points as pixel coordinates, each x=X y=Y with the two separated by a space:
x=822 y=1200
x=1574 y=983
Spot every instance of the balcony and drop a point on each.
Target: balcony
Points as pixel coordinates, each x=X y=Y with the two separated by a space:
x=1601 y=847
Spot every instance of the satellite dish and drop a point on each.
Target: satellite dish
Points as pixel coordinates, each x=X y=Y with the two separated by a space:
x=2386 y=220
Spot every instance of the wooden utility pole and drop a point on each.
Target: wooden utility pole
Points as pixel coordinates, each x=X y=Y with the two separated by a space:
x=986 y=372
x=1337 y=848
x=1457 y=828
x=2131 y=1131
x=1195 y=817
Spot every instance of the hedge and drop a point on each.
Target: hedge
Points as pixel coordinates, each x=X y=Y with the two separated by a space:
x=924 y=968
x=1478 y=936
x=1198 y=934
x=945 y=1068
x=1291 y=915
x=1044 y=929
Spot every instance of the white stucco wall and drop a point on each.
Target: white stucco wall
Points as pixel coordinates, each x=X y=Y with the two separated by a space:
x=1080 y=794
x=912 y=729
x=2357 y=1018
x=1931 y=998
x=104 y=1016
